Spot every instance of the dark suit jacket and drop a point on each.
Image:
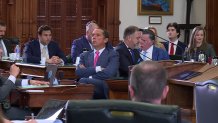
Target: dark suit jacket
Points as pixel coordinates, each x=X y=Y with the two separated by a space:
x=32 y=52
x=180 y=49
x=6 y=86
x=109 y=59
x=78 y=46
x=8 y=45
x=125 y=59
x=159 y=54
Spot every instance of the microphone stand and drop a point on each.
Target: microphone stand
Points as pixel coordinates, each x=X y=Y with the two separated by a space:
x=173 y=44
x=144 y=55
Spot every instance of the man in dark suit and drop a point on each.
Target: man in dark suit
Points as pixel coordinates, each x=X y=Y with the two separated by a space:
x=84 y=42
x=148 y=83
x=43 y=50
x=99 y=64
x=10 y=83
x=175 y=47
x=149 y=50
x=128 y=53
x=5 y=45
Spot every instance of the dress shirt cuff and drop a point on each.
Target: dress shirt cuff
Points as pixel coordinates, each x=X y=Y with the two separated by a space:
x=98 y=69
x=12 y=78
x=24 y=82
x=90 y=77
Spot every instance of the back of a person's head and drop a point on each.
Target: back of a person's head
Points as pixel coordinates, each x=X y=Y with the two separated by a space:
x=148 y=80
x=129 y=31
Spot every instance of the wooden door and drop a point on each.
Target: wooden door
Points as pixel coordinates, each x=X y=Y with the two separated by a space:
x=212 y=25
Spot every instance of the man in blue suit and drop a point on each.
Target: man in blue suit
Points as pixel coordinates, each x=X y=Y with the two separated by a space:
x=174 y=47
x=43 y=50
x=98 y=65
x=84 y=42
x=149 y=51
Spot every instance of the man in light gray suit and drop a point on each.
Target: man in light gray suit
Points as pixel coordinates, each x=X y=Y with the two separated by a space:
x=99 y=64
x=6 y=85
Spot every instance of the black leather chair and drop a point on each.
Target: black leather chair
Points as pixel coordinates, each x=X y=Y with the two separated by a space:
x=206 y=101
x=119 y=111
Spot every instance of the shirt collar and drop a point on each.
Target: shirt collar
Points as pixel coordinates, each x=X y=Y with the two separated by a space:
x=175 y=42
x=149 y=50
x=41 y=45
x=100 y=51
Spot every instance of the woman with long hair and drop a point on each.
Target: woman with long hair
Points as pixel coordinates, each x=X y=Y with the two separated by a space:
x=198 y=45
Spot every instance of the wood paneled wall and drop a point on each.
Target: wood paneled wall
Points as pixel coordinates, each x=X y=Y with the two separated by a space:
x=212 y=23
x=66 y=17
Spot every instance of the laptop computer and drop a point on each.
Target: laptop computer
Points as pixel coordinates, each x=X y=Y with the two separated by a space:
x=52 y=109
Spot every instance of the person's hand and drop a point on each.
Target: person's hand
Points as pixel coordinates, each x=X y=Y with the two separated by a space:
x=31 y=121
x=14 y=70
x=56 y=60
x=6 y=121
x=81 y=66
x=37 y=82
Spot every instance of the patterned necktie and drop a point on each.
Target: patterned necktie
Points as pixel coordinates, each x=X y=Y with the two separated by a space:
x=44 y=53
x=172 y=49
x=96 y=57
x=144 y=55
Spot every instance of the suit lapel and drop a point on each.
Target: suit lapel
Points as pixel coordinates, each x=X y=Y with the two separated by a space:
x=154 y=54
x=91 y=59
x=101 y=58
x=38 y=47
x=127 y=53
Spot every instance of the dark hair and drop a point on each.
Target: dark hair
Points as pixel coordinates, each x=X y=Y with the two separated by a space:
x=148 y=80
x=105 y=33
x=43 y=28
x=129 y=31
x=149 y=32
x=176 y=26
x=2 y=23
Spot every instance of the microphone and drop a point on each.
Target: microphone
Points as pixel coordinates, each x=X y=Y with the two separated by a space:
x=173 y=44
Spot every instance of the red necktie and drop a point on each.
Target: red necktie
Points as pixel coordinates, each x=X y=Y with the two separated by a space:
x=96 y=57
x=172 y=49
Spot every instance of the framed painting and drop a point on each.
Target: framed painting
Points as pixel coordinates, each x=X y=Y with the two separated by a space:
x=155 y=7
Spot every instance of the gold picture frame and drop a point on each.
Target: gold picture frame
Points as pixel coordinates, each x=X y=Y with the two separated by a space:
x=155 y=7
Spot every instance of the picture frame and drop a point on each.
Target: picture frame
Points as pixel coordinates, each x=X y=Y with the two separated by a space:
x=155 y=20
x=155 y=7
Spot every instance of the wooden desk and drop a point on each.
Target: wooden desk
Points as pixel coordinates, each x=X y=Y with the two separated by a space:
x=36 y=70
x=68 y=71
x=118 y=89
x=37 y=99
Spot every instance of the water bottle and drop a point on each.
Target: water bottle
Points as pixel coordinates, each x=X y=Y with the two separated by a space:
x=17 y=51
